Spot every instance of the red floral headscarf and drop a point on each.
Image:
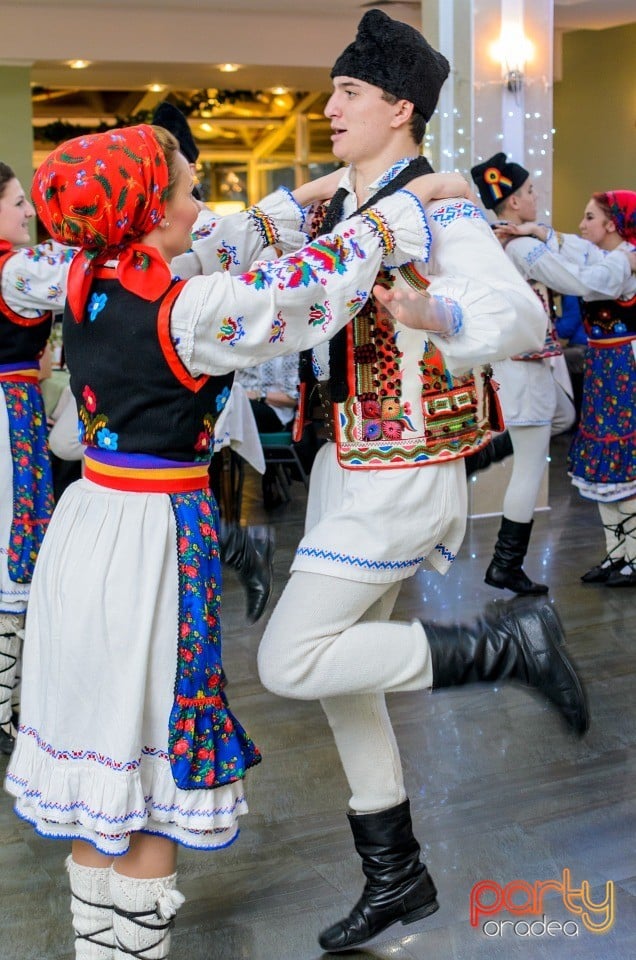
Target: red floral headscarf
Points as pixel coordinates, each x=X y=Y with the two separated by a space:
x=622 y=204
x=102 y=193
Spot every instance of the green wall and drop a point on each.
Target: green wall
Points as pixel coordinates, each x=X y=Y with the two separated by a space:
x=595 y=120
x=16 y=129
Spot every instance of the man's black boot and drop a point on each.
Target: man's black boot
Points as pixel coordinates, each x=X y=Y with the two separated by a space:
x=498 y=449
x=525 y=644
x=505 y=570
x=252 y=558
x=398 y=885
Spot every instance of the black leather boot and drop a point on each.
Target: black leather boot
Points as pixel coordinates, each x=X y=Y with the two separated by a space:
x=498 y=449
x=252 y=558
x=398 y=885
x=505 y=569
x=525 y=645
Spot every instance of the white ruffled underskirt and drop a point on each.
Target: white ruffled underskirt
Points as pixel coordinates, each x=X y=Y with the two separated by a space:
x=85 y=800
x=605 y=492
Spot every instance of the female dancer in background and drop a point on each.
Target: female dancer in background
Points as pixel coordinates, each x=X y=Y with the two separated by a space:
x=32 y=284
x=602 y=457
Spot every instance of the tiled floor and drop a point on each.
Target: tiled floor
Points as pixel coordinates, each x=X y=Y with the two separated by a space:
x=498 y=790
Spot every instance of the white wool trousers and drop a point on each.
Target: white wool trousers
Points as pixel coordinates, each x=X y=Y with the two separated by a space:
x=531 y=446
x=331 y=639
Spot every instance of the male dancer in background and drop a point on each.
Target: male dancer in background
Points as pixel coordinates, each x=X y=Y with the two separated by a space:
x=535 y=405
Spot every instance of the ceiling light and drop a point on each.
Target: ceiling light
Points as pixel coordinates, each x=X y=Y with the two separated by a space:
x=156 y=87
x=513 y=51
x=229 y=67
x=79 y=64
x=279 y=91
x=283 y=103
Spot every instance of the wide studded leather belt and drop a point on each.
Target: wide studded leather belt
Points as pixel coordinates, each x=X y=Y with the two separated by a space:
x=322 y=394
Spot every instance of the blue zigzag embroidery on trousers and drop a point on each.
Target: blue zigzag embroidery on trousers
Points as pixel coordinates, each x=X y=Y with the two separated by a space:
x=445 y=552
x=358 y=561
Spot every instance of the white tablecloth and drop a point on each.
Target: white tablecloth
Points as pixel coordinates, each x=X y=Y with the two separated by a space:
x=236 y=428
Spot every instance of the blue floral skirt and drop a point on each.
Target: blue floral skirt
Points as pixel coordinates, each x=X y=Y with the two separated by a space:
x=602 y=460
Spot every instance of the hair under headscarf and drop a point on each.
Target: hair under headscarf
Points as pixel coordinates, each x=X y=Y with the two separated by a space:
x=6 y=174
x=622 y=210
x=102 y=193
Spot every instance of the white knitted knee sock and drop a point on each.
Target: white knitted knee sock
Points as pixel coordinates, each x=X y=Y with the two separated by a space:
x=612 y=528
x=144 y=913
x=627 y=514
x=92 y=911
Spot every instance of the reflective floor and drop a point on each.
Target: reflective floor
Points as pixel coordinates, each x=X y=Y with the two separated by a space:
x=498 y=791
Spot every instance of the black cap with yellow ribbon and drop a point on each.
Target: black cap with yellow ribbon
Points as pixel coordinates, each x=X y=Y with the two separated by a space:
x=496 y=178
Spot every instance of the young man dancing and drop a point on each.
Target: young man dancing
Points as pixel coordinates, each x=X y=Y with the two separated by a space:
x=405 y=406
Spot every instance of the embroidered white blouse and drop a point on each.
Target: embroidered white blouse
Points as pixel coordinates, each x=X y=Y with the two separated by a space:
x=569 y=264
x=221 y=322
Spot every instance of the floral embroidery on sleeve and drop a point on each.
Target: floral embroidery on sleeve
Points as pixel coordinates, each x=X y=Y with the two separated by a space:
x=311 y=265
x=231 y=330
x=228 y=255
x=278 y=329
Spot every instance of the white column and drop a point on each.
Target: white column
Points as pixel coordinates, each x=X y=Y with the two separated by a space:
x=446 y=24
x=477 y=114
x=517 y=122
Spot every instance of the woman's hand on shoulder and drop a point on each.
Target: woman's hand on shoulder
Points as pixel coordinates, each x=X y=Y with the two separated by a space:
x=315 y=191
x=506 y=231
x=441 y=186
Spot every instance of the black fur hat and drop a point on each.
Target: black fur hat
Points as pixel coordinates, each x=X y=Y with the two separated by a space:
x=496 y=178
x=397 y=58
x=172 y=119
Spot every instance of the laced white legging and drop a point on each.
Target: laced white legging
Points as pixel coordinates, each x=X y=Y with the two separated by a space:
x=9 y=654
x=619 y=523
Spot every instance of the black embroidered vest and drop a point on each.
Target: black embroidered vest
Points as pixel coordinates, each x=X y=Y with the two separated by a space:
x=133 y=393
x=21 y=338
x=607 y=319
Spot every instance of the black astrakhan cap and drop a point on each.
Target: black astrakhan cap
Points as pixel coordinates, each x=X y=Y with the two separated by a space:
x=496 y=178
x=172 y=119
x=395 y=57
